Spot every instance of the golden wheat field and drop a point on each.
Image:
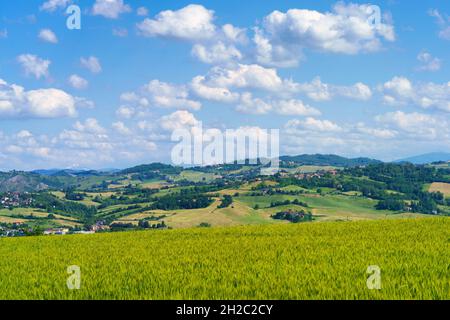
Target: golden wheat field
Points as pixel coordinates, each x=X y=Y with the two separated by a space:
x=305 y=261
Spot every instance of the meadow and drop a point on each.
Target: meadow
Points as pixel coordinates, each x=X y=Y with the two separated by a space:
x=282 y=261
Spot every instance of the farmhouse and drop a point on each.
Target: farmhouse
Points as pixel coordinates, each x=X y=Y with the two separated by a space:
x=58 y=231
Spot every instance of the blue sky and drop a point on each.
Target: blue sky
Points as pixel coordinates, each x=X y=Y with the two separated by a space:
x=329 y=77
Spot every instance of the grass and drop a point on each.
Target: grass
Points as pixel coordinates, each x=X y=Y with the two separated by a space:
x=285 y=261
x=87 y=201
x=194 y=176
x=331 y=207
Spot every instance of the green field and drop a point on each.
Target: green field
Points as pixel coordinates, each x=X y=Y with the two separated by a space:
x=40 y=218
x=284 y=261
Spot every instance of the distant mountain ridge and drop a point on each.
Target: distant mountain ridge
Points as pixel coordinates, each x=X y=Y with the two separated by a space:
x=72 y=172
x=19 y=181
x=427 y=158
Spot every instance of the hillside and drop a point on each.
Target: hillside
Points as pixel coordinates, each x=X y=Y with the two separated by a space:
x=38 y=180
x=24 y=182
x=328 y=160
x=161 y=196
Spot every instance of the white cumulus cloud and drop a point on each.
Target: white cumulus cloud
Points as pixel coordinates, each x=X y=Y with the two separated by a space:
x=347 y=29
x=111 y=9
x=216 y=53
x=52 y=5
x=428 y=62
x=48 y=35
x=78 y=82
x=193 y=22
x=92 y=64
x=400 y=91
x=15 y=101
x=33 y=65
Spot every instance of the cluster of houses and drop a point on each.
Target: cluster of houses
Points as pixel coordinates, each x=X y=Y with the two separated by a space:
x=14 y=230
x=318 y=174
x=97 y=227
x=15 y=199
x=56 y=231
x=309 y=175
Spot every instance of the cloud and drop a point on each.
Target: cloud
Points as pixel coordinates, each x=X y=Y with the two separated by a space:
x=121 y=128
x=125 y=112
x=348 y=29
x=178 y=120
x=78 y=82
x=234 y=34
x=400 y=91
x=142 y=11
x=170 y=96
x=86 y=144
x=274 y=55
x=132 y=97
x=15 y=101
x=423 y=126
x=53 y=5
x=250 y=105
x=428 y=62
x=325 y=136
x=33 y=65
x=312 y=124
x=258 y=106
x=216 y=53
x=110 y=9
x=120 y=32
x=90 y=125
x=48 y=35
x=247 y=76
x=203 y=91
x=295 y=108
x=443 y=22
x=192 y=23
x=50 y=103
x=3 y=34
x=227 y=84
x=163 y=95
x=319 y=91
x=376 y=132
x=92 y=64
x=358 y=91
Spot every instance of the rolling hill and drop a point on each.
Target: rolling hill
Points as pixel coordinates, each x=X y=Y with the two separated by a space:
x=328 y=160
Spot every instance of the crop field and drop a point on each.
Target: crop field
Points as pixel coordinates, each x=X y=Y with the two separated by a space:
x=194 y=176
x=284 y=261
x=441 y=187
x=328 y=207
x=38 y=217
